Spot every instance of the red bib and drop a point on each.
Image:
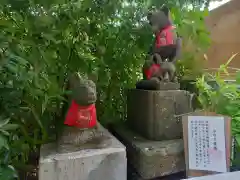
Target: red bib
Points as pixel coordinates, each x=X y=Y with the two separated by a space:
x=81 y=116
x=165 y=37
x=151 y=70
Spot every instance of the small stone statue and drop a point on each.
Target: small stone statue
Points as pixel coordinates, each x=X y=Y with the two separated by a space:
x=160 y=66
x=81 y=121
x=166 y=44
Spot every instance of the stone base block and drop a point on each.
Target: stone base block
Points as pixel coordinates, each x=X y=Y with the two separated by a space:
x=151 y=159
x=169 y=86
x=102 y=162
x=133 y=175
x=156 y=85
x=153 y=113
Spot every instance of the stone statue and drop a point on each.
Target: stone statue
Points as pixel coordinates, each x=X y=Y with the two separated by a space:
x=160 y=64
x=81 y=128
x=166 y=43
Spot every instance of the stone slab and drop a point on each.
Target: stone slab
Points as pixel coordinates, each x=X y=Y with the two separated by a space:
x=151 y=159
x=169 y=86
x=133 y=175
x=155 y=85
x=103 y=162
x=222 y=176
x=153 y=113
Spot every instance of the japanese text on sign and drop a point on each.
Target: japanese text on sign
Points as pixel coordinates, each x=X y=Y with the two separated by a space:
x=206 y=143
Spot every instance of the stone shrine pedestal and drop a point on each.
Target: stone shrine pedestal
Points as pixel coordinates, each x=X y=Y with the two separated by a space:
x=104 y=161
x=153 y=131
x=151 y=159
x=153 y=113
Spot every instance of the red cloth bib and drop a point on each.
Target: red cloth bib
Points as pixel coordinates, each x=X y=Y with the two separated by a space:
x=81 y=116
x=151 y=70
x=165 y=37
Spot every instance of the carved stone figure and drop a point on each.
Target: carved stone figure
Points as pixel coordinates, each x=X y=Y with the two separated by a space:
x=165 y=51
x=81 y=128
x=83 y=90
x=167 y=45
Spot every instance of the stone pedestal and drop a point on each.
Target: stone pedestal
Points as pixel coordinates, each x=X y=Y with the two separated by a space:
x=168 y=86
x=132 y=175
x=104 y=161
x=155 y=85
x=153 y=113
x=151 y=159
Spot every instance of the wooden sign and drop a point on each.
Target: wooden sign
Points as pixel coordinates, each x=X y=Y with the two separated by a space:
x=207 y=143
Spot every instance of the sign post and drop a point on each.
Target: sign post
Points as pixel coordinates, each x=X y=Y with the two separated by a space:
x=207 y=143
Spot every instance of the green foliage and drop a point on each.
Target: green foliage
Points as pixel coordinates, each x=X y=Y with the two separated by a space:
x=6 y=128
x=42 y=42
x=191 y=26
x=223 y=99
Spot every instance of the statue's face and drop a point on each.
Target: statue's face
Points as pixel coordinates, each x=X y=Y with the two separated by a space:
x=158 y=20
x=154 y=21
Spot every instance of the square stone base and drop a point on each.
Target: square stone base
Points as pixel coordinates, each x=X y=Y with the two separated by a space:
x=151 y=159
x=155 y=114
x=169 y=86
x=133 y=175
x=155 y=85
x=106 y=163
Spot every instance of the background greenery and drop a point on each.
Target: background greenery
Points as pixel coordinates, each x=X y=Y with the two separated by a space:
x=223 y=97
x=41 y=42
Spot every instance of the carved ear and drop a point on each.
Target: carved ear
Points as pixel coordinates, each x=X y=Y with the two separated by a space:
x=149 y=15
x=73 y=79
x=165 y=10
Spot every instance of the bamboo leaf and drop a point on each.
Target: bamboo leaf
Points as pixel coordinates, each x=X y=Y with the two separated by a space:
x=3 y=142
x=10 y=127
x=4 y=122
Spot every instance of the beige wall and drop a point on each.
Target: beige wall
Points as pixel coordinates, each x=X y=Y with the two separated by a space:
x=224 y=26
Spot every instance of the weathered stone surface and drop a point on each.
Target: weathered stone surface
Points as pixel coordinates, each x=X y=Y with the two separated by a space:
x=106 y=161
x=152 y=113
x=169 y=86
x=133 y=175
x=76 y=139
x=151 y=159
x=156 y=85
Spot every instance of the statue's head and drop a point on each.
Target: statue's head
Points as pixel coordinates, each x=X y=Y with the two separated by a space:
x=83 y=89
x=159 y=19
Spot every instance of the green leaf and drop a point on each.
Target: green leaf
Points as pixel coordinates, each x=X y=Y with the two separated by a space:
x=45 y=103
x=238 y=139
x=5 y=133
x=9 y=127
x=231 y=58
x=238 y=77
x=7 y=172
x=4 y=122
x=3 y=142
